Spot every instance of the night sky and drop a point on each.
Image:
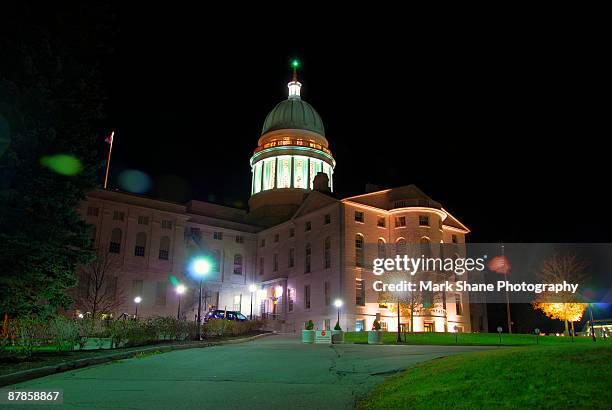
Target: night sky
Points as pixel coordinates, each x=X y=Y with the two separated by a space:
x=503 y=131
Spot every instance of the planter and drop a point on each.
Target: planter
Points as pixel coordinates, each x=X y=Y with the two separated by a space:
x=308 y=336
x=375 y=337
x=337 y=336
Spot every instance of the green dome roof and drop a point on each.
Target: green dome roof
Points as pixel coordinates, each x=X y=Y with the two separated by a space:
x=293 y=113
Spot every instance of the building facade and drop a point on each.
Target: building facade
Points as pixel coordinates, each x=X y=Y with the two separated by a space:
x=301 y=246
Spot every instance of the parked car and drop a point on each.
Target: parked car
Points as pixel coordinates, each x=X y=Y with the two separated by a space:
x=220 y=314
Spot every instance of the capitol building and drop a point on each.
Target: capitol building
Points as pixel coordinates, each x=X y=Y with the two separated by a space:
x=297 y=249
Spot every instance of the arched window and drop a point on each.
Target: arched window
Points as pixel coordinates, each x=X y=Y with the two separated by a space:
x=327 y=253
x=141 y=243
x=382 y=251
x=425 y=247
x=164 y=248
x=115 y=241
x=238 y=264
x=307 y=259
x=359 y=255
x=400 y=247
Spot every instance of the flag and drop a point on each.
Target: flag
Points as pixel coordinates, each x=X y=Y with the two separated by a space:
x=109 y=139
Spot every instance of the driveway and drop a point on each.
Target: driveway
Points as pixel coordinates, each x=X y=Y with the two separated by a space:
x=271 y=372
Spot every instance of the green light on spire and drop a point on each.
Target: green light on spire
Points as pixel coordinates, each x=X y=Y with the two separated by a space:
x=295 y=64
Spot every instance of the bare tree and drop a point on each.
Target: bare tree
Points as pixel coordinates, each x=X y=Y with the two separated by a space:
x=97 y=285
x=564 y=306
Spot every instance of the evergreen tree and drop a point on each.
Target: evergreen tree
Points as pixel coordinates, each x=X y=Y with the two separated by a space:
x=50 y=103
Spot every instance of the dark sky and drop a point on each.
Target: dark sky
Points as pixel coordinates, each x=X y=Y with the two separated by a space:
x=502 y=125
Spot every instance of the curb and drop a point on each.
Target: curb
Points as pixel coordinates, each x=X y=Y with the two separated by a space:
x=24 y=375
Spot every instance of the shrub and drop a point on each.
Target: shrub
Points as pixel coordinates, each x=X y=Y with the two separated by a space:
x=309 y=325
x=31 y=332
x=65 y=333
x=337 y=327
x=376 y=325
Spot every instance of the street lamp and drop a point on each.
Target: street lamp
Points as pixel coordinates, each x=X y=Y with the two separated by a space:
x=137 y=301
x=200 y=267
x=180 y=289
x=338 y=304
x=252 y=289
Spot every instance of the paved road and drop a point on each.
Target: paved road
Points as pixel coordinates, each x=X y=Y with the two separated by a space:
x=271 y=372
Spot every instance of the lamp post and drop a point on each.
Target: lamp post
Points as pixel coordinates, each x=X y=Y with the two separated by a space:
x=252 y=289
x=338 y=304
x=180 y=289
x=137 y=301
x=200 y=267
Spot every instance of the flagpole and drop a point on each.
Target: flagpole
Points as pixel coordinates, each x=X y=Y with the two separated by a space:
x=110 y=150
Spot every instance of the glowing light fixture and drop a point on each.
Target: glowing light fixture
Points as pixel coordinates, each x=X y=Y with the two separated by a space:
x=338 y=303
x=180 y=289
x=201 y=266
x=252 y=288
x=137 y=299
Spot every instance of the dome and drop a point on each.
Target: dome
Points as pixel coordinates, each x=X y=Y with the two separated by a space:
x=293 y=113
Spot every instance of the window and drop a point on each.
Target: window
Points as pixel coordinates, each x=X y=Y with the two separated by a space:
x=458 y=307
x=429 y=327
x=115 y=241
x=381 y=222
x=423 y=220
x=307 y=259
x=308 y=226
x=384 y=326
x=92 y=211
x=275 y=262
x=400 y=246
x=427 y=299
x=327 y=219
x=237 y=264
x=327 y=294
x=358 y=216
x=166 y=224
x=218 y=236
x=136 y=288
x=118 y=216
x=111 y=287
x=454 y=238
x=359 y=292
x=238 y=302
x=382 y=251
x=400 y=221
x=262 y=243
x=195 y=233
x=327 y=324
x=160 y=294
x=164 y=248
x=291 y=232
x=290 y=293
x=276 y=237
x=425 y=247
x=359 y=325
x=239 y=239
x=216 y=260
x=291 y=257
x=307 y=297
x=261 y=265
x=359 y=258
x=327 y=253
x=143 y=220
x=141 y=243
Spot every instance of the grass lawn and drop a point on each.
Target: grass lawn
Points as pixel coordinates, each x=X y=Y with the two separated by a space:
x=467 y=339
x=563 y=376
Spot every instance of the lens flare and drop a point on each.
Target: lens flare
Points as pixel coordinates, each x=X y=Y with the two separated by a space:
x=63 y=164
x=135 y=181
